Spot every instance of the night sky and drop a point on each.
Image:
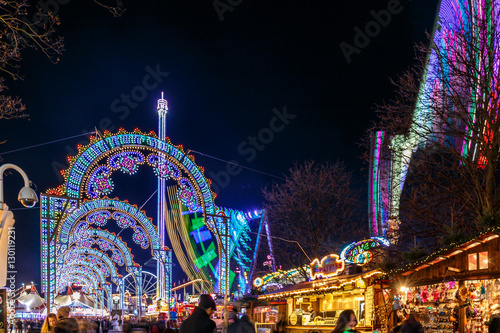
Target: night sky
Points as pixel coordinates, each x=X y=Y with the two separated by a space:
x=254 y=68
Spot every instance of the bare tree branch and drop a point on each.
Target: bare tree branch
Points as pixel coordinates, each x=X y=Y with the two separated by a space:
x=315 y=206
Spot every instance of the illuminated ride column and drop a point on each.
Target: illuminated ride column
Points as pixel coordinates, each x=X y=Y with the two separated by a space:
x=137 y=271
x=122 y=295
x=109 y=293
x=162 y=109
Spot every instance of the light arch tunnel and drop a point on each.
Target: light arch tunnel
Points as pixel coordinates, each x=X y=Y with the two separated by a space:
x=90 y=275
x=98 y=212
x=93 y=269
x=90 y=171
x=106 y=242
x=84 y=272
x=83 y=280
x=82 y=237
x=125 y=152
x=97 y=257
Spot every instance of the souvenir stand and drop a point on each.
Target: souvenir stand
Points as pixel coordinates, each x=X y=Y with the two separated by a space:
x=452 y=290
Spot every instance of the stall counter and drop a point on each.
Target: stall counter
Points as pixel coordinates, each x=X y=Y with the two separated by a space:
x=320 y=328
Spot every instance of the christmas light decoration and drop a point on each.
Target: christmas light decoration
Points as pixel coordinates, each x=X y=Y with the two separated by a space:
x=359 y=252
x=89 y=180
x=280 y=275
x=89 y=174
x=321 y=287
x=125 y=214
x=330 y=265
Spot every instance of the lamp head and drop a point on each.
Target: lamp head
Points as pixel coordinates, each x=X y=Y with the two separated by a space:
x=27 y=197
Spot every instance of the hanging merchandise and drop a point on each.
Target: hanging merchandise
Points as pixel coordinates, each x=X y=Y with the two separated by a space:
x=438 y=305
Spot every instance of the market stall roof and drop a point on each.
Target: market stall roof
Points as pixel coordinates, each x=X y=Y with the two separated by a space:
x=68 y=300
x=62 y=300
x=446 y=253
x=321 y=285
x=78 y=304
x=32 y=300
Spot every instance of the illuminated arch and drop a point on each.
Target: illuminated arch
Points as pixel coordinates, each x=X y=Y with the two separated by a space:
x=123 y=212
x=82 y=280
x=89 y=173
x=88 y=268
x=98 y=258
x=75 y=251
x=94 y=235
x=84 y=273
x=86 y=264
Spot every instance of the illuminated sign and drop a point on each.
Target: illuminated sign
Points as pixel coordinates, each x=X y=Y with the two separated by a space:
x=330 y=265
x=277 y=276
x=359 y=252
x=258 y=282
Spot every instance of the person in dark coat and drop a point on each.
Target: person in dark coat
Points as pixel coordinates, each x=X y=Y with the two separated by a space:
x=64 y=323
x=412 y=325
x=199 y=321
x=19 y=326
x=494 y=322
x=242 y=324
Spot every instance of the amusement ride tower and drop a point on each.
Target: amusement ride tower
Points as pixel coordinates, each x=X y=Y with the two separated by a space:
x=162 y=109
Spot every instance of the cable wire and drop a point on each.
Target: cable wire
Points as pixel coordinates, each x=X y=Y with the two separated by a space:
x=45 y=143
x=236 y=164
x=285 y=240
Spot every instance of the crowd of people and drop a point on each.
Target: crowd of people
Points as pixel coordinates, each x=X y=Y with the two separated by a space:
x=198 y=322
x=63 y=323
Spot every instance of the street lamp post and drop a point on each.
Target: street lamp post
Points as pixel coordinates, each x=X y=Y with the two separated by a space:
x=28 y=198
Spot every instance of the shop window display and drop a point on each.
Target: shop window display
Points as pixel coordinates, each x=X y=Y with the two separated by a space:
x=438 y=304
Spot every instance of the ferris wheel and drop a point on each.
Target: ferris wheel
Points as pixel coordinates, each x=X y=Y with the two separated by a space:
x=148 y=283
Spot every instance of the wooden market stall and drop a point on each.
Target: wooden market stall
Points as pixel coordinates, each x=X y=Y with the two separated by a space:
x=316 y=305
x=453 y=289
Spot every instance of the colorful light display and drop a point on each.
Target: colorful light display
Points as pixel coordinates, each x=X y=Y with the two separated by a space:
x=188 y=230
x=76 y=252
x=107 y=241
x=330 y=265
x=279 y=277
x=125 y=214
x=464 y=37
x=87 y=182
x=88 y=177
x=359 y=252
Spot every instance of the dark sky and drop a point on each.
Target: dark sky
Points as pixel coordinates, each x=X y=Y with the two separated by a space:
x=225 y=78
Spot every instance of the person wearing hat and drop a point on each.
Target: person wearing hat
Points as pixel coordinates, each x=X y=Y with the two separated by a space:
x=65 y=324
x=199 y=321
